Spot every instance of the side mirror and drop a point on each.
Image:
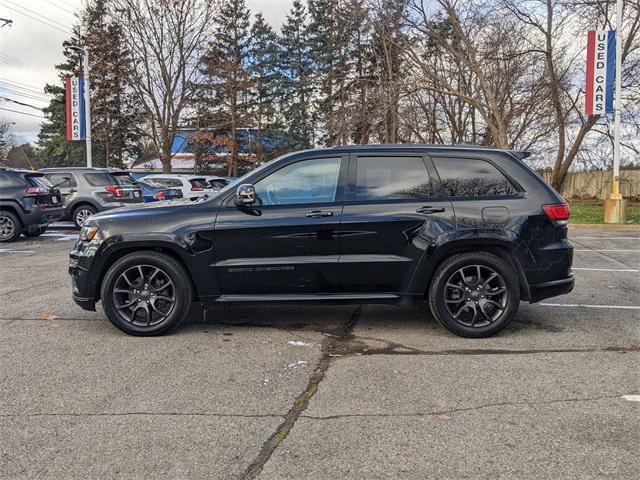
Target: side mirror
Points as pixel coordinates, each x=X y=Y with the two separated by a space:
x=245 y=195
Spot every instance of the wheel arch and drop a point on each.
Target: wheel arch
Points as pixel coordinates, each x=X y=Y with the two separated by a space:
x=14 y=208
x=500 y=248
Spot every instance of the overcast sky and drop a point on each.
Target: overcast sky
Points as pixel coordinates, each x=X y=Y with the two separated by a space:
x=32 y=45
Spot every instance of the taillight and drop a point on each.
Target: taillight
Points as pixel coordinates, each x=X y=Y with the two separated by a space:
x=115 y=190
x=37 y=191
x=557 y=212
x=159 y=196
x=196 y=189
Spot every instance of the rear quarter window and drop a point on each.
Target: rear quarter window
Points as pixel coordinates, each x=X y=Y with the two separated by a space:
x=99 y=179
x=462 y=177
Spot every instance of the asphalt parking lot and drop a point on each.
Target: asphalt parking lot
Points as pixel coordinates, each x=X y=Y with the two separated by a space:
x=321 y=392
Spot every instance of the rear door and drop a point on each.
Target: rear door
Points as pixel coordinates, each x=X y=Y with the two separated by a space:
x=390 y=221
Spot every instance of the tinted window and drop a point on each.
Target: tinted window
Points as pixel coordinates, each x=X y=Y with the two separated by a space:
x=63 y=180
x=199 y=183
x=38 y=181
x=165 y=182
x=471 y=178
x=309 y=181
x=389 y=178
x=99 y=179
x=124 y=179
x=7 y=180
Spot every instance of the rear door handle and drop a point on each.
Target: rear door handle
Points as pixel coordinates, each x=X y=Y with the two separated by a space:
x=319 y=213
x=429 y=210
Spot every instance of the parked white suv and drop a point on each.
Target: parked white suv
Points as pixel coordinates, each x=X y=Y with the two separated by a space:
x=192 y=186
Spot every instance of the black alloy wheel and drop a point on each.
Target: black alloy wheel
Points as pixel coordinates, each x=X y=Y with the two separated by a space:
x=146 y=293
x=474 y=294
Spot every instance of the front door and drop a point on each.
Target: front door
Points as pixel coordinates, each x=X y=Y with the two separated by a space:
x=67 y=185
x=286 y=243
x=390 y=221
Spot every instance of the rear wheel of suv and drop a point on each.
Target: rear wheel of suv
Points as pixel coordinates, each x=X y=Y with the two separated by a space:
x=81 y=214
x=146 y=293
x=474 y=294
x=10 y=227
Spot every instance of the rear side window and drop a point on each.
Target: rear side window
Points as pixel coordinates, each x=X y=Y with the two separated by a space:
x=199 y=183
x=390 y=178
x=7 y=180
x=165 y=182
x=99 y=179
x=63 y=180
x=460 y=177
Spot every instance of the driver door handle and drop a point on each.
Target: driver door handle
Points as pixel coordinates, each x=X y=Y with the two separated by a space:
x=319 y=213
x=430 y=209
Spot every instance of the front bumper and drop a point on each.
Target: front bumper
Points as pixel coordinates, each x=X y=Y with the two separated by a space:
x=85 y=303
x=82 y=268
x=545 y=290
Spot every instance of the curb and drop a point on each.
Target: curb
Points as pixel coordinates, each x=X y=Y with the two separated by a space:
x=606 y=226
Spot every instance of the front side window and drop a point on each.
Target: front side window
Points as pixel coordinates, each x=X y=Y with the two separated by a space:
x=461 y=177
x=309 y=181
x=390 y=178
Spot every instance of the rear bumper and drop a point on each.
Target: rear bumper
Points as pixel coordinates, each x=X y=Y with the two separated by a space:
x=544 y=290
x=42 y=218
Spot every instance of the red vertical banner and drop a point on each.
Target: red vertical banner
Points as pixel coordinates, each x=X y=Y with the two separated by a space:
x=591 y=47
x=67 y=95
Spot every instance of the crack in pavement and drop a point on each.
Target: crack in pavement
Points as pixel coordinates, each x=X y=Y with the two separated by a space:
x=458 y=410
x=302 y=401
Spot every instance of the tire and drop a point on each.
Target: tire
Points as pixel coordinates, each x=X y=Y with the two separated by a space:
x=128 y=312
x=81 y=213
x=470 y=308
x=35 y=232
x=10 y=227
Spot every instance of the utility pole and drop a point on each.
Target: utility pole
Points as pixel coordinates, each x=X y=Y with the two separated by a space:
x=87 y=100
x=614 y=211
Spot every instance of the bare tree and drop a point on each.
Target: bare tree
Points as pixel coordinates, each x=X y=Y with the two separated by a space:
x=550 y=27
x=166 y=39
x=6 y=139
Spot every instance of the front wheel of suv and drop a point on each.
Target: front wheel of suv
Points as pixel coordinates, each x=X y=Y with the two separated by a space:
x=474 y=294
x=10 y=227
x=146 y=293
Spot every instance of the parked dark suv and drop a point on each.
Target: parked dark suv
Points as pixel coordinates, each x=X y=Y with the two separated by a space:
x=86 y=191
x=28 y=204
x=470 y=230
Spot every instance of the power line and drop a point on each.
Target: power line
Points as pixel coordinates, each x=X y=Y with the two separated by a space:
x=25 y=94
x=60 y=7
x=22 y=113
x=7 y=99
x=23 y=65
x=50 y=20
x=63 y=30
x=24 y=86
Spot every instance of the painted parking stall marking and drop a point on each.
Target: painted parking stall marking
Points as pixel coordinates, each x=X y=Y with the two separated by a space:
x=605 y=269
x=583 y=305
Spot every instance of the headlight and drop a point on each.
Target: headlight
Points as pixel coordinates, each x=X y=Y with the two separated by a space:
x=87 y=233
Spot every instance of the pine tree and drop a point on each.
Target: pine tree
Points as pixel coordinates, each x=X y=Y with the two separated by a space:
x=113 y=112
x=53 y=147
x=265 y=76
x=297 y=68
x=226 y=88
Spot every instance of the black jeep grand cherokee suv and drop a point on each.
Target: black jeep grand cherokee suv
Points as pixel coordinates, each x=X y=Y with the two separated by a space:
x=471 y=230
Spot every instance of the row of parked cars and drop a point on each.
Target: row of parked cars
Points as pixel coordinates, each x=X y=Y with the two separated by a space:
x=31 y=200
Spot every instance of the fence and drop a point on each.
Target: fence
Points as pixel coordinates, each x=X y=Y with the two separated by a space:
x=597 y=185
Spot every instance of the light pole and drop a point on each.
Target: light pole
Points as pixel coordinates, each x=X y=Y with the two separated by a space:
x=614 y=206
x=87 y=99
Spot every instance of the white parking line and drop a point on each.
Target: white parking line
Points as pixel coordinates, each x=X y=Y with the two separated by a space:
x=632 y=398
x=573 y=305
x=11 y=250
x=606 y=269
x=605 y=238
x=596 y=250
